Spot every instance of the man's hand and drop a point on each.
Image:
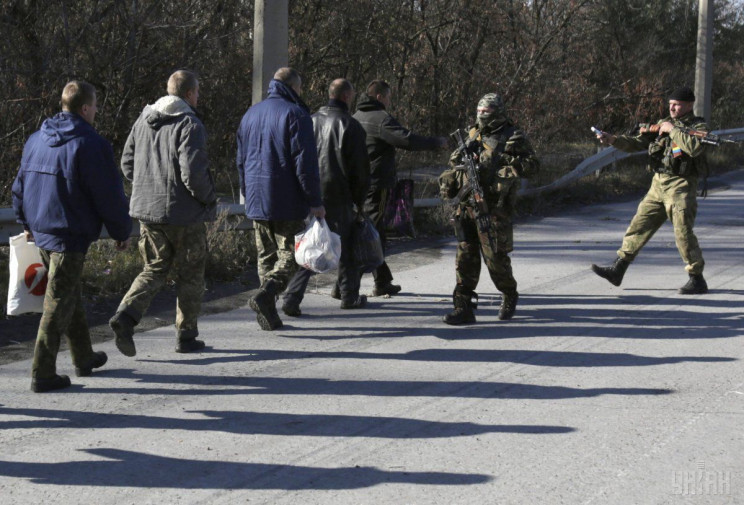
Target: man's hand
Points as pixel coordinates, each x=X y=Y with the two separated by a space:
x=318 y=212
x=665 y=127
x=122 y=246
x=29 y=236
x=606 y=138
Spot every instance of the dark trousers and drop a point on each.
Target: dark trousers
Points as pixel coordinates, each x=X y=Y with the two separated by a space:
x=339 y=221
x=374 y=207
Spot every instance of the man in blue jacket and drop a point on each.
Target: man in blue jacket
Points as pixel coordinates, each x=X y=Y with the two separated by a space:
x=66 y=189
x=278 y=171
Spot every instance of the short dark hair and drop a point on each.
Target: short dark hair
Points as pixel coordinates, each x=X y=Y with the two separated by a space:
x=378 y=87
x=338 y=87
x=181 y=82
x=288 y=76
x=76 y=94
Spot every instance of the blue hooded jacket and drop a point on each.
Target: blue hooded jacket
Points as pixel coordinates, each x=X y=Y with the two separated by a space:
x=68 y=186
x=277 y=159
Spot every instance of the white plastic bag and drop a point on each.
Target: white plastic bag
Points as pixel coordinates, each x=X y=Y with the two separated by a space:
x=318 y=248
x=28 y=277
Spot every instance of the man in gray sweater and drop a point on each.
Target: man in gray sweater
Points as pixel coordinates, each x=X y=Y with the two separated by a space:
x=173 y=194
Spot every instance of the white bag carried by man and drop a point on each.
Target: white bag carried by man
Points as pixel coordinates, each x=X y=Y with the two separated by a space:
x=318 y=248
x=28 y=277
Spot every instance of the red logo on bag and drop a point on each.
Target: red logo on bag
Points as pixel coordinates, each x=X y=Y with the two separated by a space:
x=36 y=279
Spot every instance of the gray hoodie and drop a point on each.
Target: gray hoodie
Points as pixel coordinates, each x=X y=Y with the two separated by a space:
x=165 y=159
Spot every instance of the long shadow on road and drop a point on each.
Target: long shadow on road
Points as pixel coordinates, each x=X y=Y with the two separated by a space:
x=267 y=423
x=251 y=385
x=120 y=468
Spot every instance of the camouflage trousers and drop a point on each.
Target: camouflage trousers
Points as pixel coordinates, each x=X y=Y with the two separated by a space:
x=674 y=198
x=275 y=246
x=64 y=314
x=472 y=245
x=164 y=247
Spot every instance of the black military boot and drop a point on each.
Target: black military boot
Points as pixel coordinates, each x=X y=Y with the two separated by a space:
x=613 y=273
x=695 y=286
x=508 y=305
x=264 y=304
x=464 y=306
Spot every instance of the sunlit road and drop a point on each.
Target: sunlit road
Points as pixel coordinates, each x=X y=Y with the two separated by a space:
x=592 y=395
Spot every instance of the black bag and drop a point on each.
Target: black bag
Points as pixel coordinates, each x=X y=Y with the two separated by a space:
x=366 y=246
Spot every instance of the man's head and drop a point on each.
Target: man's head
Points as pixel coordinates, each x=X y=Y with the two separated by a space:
x=341 y=89
x=184 y=84
x=681 y=102
x=290 y=77
x=490 y=110
x=380 y=91
x=80 y=97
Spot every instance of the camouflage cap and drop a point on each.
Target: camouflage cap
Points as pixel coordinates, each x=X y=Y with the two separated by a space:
x=492 y=100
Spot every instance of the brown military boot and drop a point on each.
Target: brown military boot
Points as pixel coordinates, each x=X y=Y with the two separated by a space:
x=695 y=286
x=264 y=304
x=508 y=305
x=613 y=273
x=464 y=306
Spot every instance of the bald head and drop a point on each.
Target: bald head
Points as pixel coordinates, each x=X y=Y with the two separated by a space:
x=341 y=89
x=290 y=77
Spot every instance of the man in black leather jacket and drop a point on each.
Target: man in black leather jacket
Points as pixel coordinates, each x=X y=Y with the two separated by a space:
x=344 y=179
x=384 y=135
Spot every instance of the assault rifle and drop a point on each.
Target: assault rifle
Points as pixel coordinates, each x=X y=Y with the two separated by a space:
x=705 y=137
x=474 y=188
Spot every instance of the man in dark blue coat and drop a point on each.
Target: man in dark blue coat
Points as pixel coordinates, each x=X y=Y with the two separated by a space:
x=278 y=170
x=67 y=188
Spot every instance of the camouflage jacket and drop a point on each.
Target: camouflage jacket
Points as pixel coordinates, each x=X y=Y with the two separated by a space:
x=505 y=155
x=676 y=153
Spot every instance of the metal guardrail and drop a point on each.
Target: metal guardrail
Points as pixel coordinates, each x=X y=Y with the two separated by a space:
x=236 y=217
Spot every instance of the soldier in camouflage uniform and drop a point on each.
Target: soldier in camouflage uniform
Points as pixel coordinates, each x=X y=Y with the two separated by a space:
x=677 y=160
x=173 y=195
x=505 y=155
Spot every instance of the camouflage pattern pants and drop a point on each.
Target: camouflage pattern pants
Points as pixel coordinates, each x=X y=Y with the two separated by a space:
x=674 y=198
x=162 y=247
x=63 y=314
x=275 y=246
x=472 y=245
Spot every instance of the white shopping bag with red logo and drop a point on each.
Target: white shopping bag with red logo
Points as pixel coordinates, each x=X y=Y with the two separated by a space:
x=28 y=277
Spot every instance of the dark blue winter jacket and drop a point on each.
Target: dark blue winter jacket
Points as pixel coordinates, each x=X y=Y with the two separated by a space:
x=277 y=160
x=68 y=186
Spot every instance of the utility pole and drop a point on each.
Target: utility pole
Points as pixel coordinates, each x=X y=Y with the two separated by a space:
x=704 y=60
x=270 y=43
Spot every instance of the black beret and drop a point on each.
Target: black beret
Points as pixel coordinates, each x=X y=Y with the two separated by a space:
x=683 y=94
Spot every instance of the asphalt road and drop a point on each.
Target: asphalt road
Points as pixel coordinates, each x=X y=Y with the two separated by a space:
x=592 y=395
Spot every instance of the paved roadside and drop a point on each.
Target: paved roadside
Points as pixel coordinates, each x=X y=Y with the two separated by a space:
x=592 y=395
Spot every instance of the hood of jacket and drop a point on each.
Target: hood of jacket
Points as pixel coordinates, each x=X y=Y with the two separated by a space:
x=277 y=89
x=165 y=110
x=367 y=103
x=64 y=127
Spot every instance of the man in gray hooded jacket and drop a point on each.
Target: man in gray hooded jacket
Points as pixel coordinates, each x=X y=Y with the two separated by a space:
x=173 y=194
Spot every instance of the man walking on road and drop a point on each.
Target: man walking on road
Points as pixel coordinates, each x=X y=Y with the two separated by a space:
x=384 y=135
x=278 y=170
x=344 y=178
x=66 y=189
x=165 y=159
x=677 y=159
x=504 y=155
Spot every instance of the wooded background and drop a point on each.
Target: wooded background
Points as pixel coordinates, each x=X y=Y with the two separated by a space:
x=561 y=65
